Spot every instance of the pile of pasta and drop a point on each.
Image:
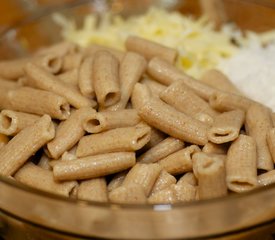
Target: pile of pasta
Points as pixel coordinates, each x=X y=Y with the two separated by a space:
x=129 y=127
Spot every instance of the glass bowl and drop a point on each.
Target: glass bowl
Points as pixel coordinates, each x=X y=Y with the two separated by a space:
x=28 y=214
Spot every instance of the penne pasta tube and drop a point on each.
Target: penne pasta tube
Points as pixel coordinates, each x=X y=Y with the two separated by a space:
x=44 y=162
x=224 y=101
x=185 y=100
x=39 y=78
x=68 y=133
x=226 y=127
x=69 y=155
x=271 y=142
x=92 y=49
x=73 y=193
x=166 y=73
x=241 y=164
x=178 y=125
x=216 y=79
x=93 y=190
x=180 y=161
x=116 y=181
x=161 y=150
x=141 y=93
x=85 y=77
x=12 y=122
x=42 y=179
x=185 y=192
x=72 y=61
x=266 y=178
x=61 y=49
x=102 y=121
x=210 y=172
x=165 y=196
x=273 y=118
x=189 y=178
x=51 y=62
x=7 y=84
x=105 y=79
x=257 y=125
x=215 y=148
x=144 y=175
x=114 y=140
x=150 y=49
x=69 y=77
x=12 y=69
x=5 y=87
x=131 y=69
x=94 y=166
x=30 y=100
x=25 y=144
x=3 y=140
x=155 y=87
x=156 y=137
x=163 y=181
x=130 y=194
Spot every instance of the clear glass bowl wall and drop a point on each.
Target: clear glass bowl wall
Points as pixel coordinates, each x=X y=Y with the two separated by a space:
x=26 y=213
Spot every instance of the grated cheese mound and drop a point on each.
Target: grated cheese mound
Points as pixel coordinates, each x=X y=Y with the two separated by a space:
x=200 y=47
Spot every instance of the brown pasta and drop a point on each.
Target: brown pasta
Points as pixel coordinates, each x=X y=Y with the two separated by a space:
x=155 y=87
x=114 y=140
x=140 y=95
x=71 y=61
x=25 y=144
x=3 y=140
x=266 y=178
x=215 y=148
x=163 y=181
x=271 y=142
x=150 y=49
x=69 y=77
x=93 y=166
x=61 y=49
x=117 y=181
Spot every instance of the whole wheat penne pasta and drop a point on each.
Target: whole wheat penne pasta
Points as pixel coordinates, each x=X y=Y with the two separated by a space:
x=94 y=166
x=39 y=78
x=85 y=77
x=163 y=181
x=72 y=61
x=180 y=161
x=52 y=62
x=130 y=194
x=5 y=87
x=44 y=162
x=69 y=155
x=216 y=79
x=7 y=84
x=165 y=196
x=155 y=87
x=215 y=148
x=30 y=100
x=166 y=73
x=161 y=150
x=141 y=93
x=3 y=140
x=42 y=179
x=73 y=193
x=271 y=142
x=167 y=119
x=117 y=181
x=224 y=101
x=156 y=137
x=210 y=172
x=150 y=49
x=226 y=126
x=12 y=69
x=106 y=79
x=93 y=189
x=185 y=192
x=25 y=144
x=61 y=49
x=185 y=100
x=241 y=164
x=92 y=49
x=12 y=122
x=114 y=140
x=69 y=77
x=257 y=125
x=144 y=175
x=266 y=178
x=273 y=118
x=189 y=178
x=68 y=133
x=107 y=120
x=131 y=69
